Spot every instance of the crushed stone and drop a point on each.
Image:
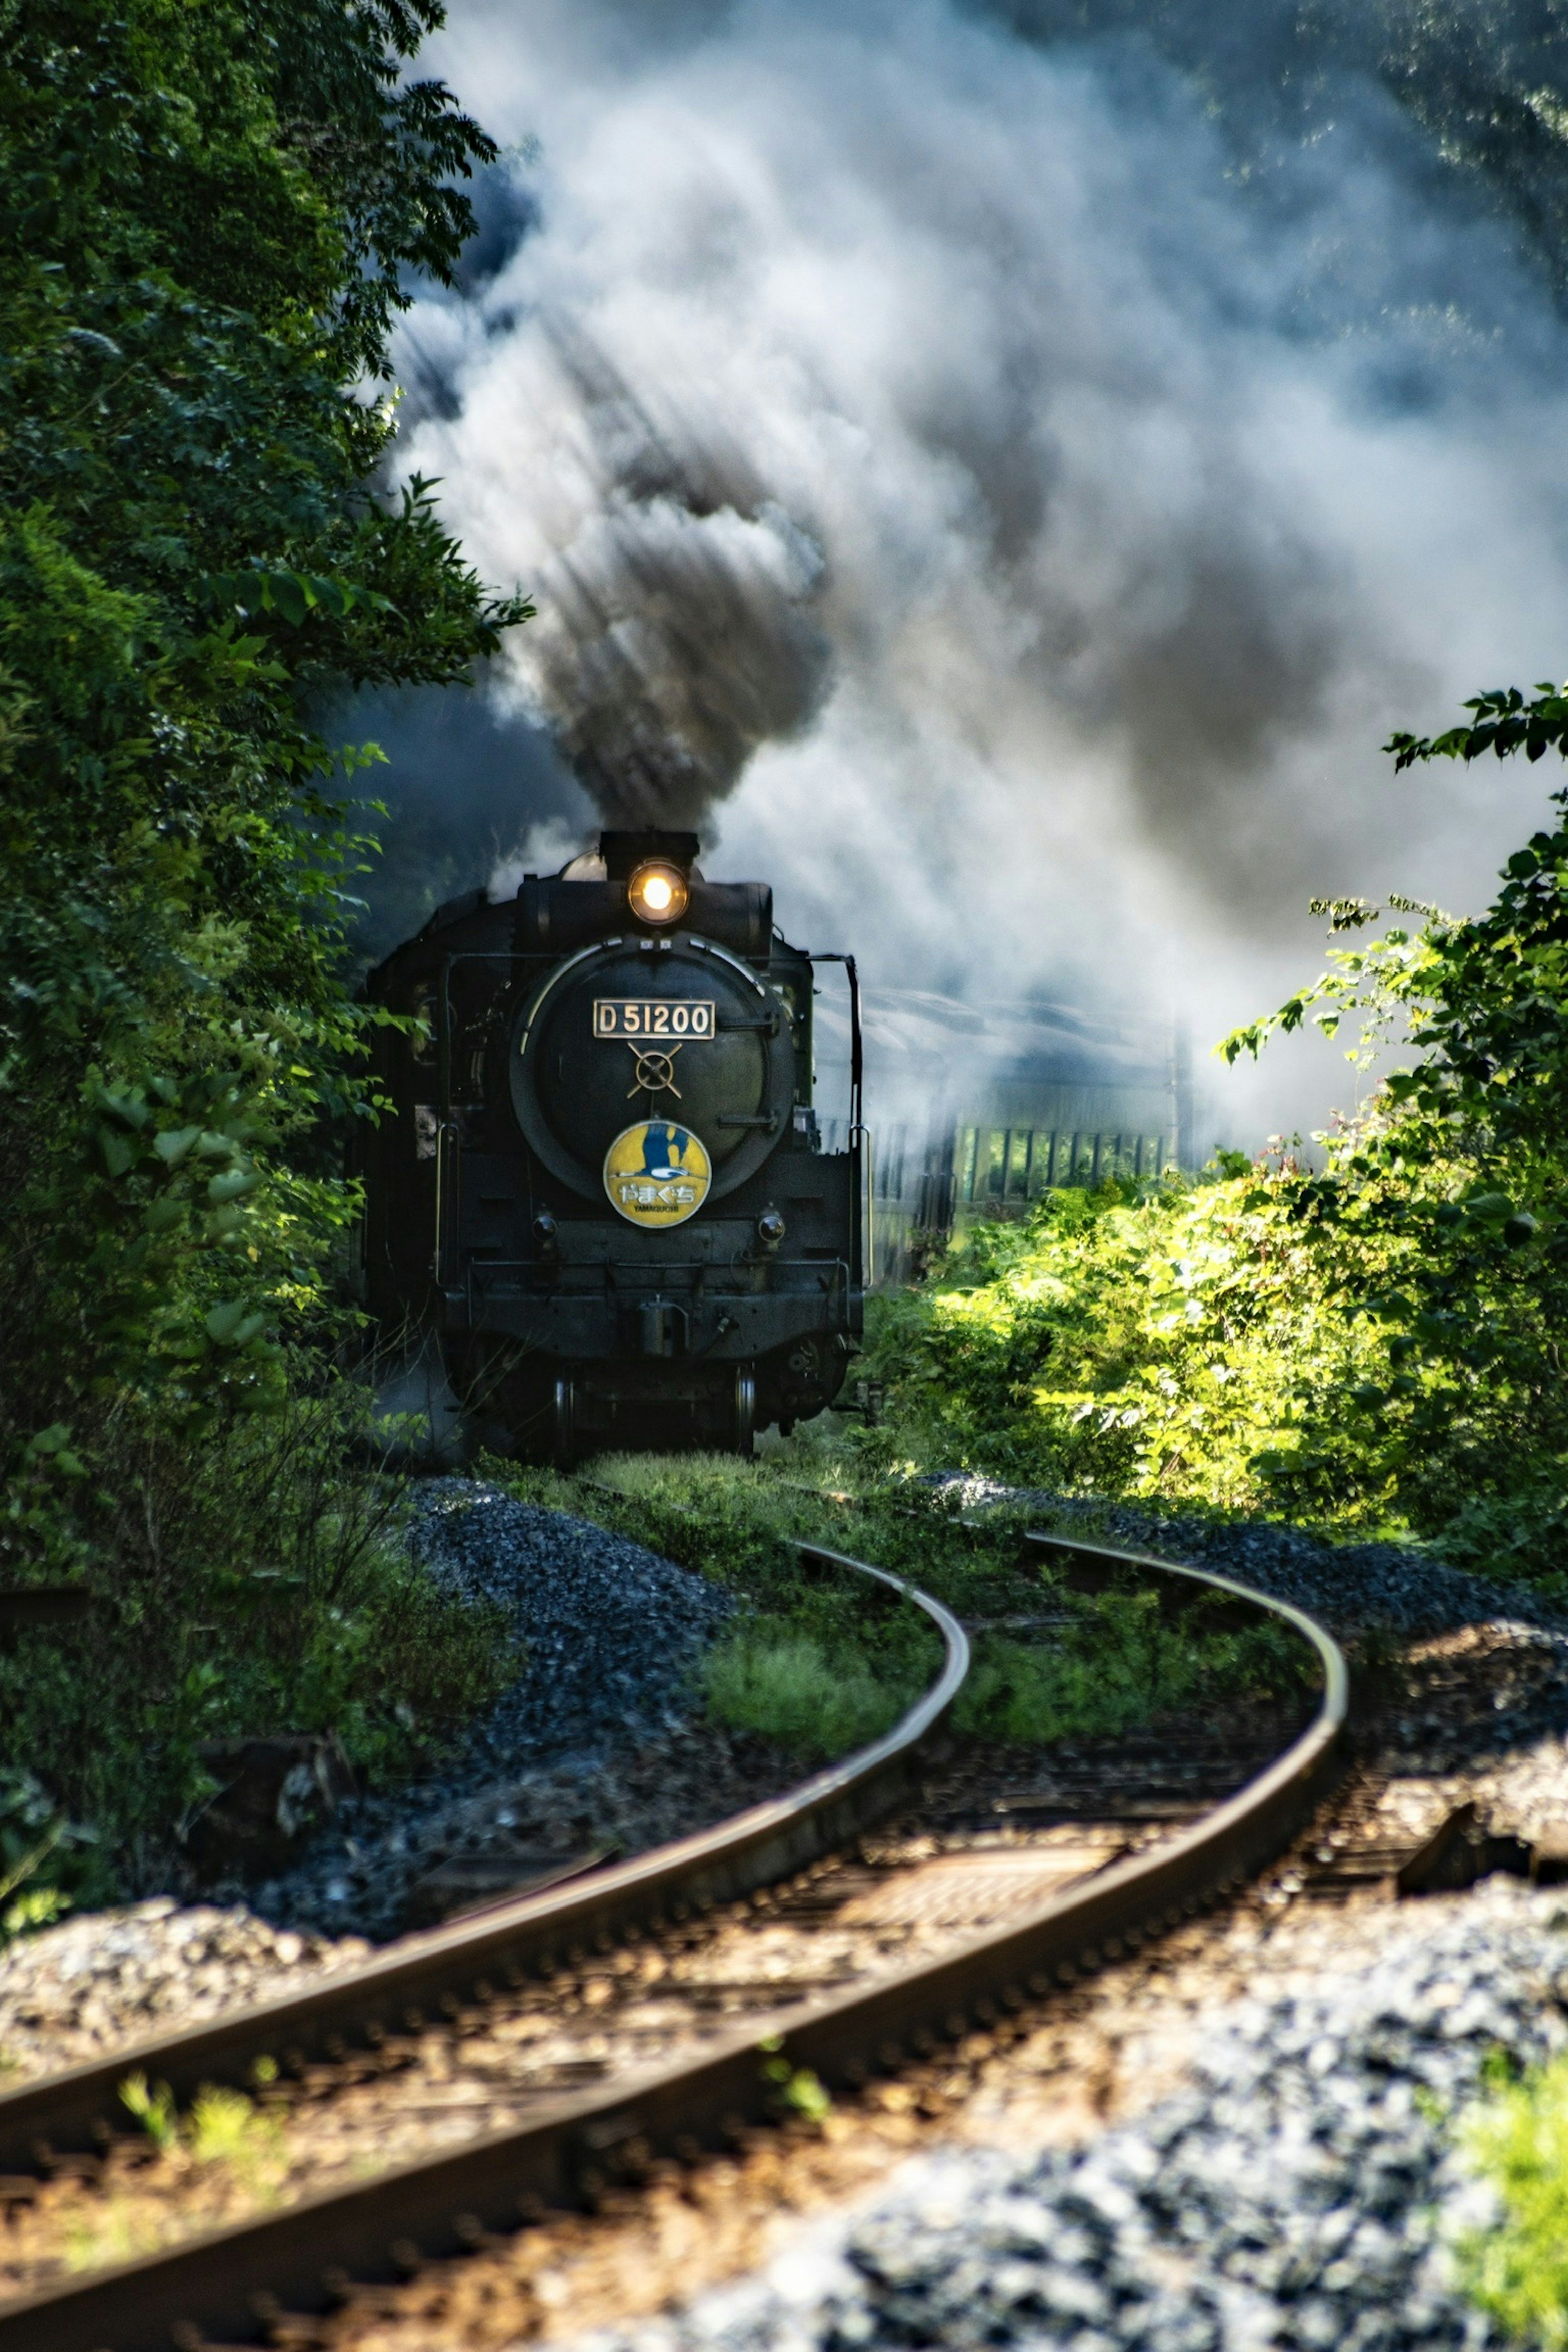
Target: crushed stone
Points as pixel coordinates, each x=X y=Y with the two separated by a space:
x=1302 y=2186
x=1394 y=1588
x=72 y=1993
x=593 y=1745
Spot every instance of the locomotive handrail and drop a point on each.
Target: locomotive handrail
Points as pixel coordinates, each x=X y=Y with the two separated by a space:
x=858 y=1131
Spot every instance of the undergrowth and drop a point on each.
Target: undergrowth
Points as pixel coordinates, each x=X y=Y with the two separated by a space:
x=818 y=1664
x=1369 y=1347
x=224 y=2146
x=1517 y=2271
x=263 y=1583
x=797 y=1693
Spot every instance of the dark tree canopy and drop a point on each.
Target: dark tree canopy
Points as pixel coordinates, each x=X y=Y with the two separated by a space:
x=210 y=212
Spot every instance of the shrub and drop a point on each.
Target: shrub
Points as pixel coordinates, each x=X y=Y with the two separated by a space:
x=794 y=1691
x=1518 y=2272
x=1373 y=1348
x=211 y=214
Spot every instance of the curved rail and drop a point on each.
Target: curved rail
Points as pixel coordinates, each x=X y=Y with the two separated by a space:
x=507 y=1941
x=209 y=2287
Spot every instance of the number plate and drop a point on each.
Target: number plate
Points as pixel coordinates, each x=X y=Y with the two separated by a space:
x=652 y=1017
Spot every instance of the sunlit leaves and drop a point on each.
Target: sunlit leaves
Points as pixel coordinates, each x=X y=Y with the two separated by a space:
x=1377 y=1341
x=293 y=596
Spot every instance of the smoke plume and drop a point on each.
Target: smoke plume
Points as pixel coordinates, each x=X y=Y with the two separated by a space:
x=947 y=473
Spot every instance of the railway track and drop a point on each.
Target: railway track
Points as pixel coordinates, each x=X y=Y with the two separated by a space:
x=540 y=2054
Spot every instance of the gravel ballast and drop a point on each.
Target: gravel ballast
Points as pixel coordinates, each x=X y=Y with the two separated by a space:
x=597 y=1747
x=594 y=1744
x=613 y=1631
x=1302 y=2187
x=1396 y=1588
x=75 y=1992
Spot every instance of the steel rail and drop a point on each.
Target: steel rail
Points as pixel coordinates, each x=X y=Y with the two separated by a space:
x=507 y=1941
x=565 y=2154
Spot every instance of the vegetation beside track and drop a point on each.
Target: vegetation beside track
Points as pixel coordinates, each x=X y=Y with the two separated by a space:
x=1516 y=2140
x=812 y=1666
x=1373 y=1349
x=213 y=214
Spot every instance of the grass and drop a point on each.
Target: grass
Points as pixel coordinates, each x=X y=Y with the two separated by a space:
x=821 y=1666
x=262 y=1585
x=221 y=2126
x=1517 y=2272
x=226 y=2146
x=796 y=1692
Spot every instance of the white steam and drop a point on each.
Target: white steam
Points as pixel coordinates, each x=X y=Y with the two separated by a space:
x=928 y=461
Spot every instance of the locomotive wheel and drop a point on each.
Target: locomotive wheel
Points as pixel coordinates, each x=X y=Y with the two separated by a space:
x=564 y=1445
x=745 y=1410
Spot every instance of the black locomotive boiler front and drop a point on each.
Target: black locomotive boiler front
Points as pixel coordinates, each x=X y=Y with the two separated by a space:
x=601 y=1182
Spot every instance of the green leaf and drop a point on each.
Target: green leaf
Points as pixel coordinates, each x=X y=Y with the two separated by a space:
x=173 y=1142
x=232 y=1183
x=226 y=1323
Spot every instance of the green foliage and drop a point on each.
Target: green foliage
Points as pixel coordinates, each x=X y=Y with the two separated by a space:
x=199 y=259
x=797 y=1694
x=1117 y=1664
x=1375 y=1347
x=1504 y=722
x=821 y=1665
x=794 y=2088
x=1517 y=2139
x=154 y=2110
x=47 y=1862
x=262 y=1583
x=224 y=2127
x=225 y=2140
x=211 y=214
x=1176 y=1344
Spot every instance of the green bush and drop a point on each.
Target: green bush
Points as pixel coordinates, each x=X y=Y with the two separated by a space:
x=1177 y=1343
x=1517 y=2139
x=211 y=214
x=1373 y=1347
x=808 y=1700
x=1117 y=1666
x=262 y=1585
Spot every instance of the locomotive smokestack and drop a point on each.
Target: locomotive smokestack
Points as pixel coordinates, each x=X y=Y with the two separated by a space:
x=623 y=852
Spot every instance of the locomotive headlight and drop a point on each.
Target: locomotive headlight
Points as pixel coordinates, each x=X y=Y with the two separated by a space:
x=658 y=893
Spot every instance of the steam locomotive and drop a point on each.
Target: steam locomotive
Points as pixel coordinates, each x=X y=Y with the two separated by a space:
x=602 y=1183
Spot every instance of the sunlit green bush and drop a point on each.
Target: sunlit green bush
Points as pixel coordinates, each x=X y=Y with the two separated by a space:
x=1517 y=2271
x=1375 y=1346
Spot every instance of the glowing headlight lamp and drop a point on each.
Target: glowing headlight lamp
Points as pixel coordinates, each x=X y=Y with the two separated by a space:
x=658 y=892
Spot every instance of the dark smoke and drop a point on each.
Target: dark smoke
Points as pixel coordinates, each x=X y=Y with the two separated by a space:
x=1010 y=466
x=671 y=647
x=463 y=785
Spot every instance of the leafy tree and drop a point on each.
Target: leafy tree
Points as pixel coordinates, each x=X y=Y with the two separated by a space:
x=209 y=213
x=1376 y=1344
